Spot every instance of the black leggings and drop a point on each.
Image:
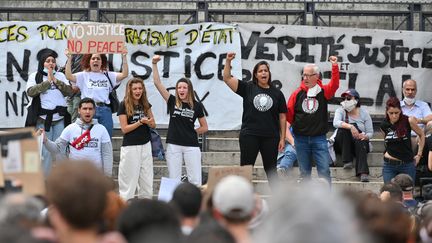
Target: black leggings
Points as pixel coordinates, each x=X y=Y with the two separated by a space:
x=349 y=147
x=250 y=145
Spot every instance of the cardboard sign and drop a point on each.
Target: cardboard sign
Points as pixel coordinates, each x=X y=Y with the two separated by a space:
x=95 y=38
x=21 y=162
x=217 y=173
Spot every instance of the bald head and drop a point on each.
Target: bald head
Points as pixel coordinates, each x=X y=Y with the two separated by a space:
x=409 y=88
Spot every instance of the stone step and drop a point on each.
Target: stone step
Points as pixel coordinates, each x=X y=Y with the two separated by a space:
x=232 y=144
x=337 y=173
x=233 y=158
x=262 y=188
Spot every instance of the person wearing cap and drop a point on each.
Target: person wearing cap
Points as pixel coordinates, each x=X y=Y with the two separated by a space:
x=415 y=108
x=406 y=183
x=233 y=206
x=308 y=115
x=354 y=130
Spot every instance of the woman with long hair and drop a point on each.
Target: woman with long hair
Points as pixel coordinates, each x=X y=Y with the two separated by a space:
x=48 y=88
x=263 y=120
x=354 y=130
x=399 y=157
x=136 y=161
x=96 y=82
x=182 y=137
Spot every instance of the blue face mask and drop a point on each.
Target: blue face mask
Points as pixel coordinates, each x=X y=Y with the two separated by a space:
x=46 y=70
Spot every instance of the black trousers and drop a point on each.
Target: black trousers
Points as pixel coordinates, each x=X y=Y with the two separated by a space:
x=250 y=145
x=349 y=148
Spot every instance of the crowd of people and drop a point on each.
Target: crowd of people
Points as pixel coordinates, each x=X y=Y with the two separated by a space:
x=81 y=204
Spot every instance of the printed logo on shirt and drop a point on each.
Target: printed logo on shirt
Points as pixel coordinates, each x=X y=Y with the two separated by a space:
x=97 y=83
x=391 y=135
x=310 y=105
x=138 y=114
x=185 y=112
x=263 y=102
x=93 y=143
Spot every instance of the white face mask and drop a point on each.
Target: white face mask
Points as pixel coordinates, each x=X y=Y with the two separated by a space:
x=349 y=105
x=312 y=92
x=46 y=71
x=409 y=101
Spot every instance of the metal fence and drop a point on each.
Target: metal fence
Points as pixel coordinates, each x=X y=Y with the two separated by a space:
x=391 y=14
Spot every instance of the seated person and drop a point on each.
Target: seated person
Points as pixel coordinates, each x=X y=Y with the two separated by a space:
x=353 y=131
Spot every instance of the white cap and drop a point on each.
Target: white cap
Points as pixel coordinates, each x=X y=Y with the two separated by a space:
x=233 y=197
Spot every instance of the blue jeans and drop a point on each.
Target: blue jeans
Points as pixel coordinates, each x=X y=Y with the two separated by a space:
x=288 y=157
x=54 y=133
x=104 y=117
x=316 y=146
x=390 y=171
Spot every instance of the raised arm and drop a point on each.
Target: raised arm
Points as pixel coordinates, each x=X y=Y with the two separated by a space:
x=125 y=67
x=333 y=85
x=231 y=81
x=156 y=78
x=68 y=69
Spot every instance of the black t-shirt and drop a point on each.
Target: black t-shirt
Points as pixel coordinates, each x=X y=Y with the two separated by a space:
x=399 y=148
x=261 y=109
x=139 y=136
x=181 y=129
x=310 y=114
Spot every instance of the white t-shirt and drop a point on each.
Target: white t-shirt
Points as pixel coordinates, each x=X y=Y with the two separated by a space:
x=92 y=150
x=95 y=85
x=53 y=96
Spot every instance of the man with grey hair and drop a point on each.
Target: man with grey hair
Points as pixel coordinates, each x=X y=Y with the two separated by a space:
x=418 y=109
x=308 y=114
x=20 y=210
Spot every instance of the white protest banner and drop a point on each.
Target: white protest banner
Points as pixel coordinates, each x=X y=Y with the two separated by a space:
x=95 y=38
x=194 y=51
x=375 y=62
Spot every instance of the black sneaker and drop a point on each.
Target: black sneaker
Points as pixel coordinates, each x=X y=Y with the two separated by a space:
x=364 y=178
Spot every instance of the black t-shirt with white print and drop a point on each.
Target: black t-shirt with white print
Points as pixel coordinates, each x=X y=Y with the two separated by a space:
x=261 y=109
x=139 y=136
x=181 y=129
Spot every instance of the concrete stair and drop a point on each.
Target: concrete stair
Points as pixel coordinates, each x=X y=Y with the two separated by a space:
x=222 y=149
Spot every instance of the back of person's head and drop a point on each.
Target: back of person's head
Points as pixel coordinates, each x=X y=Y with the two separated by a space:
x=115 y=205
x=20 y=210
x=405 y=182
x=234 y=199
x=187 y=199
x=394 y=189
x=210 y=231
x=150 y=220
x=16 y=234
x=387 y=222
x=78 y=191
x=308 y=214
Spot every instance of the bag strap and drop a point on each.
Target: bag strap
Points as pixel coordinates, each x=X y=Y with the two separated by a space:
x=112 y=86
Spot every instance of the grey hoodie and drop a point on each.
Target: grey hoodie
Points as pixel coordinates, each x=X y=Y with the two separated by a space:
x=60 y=145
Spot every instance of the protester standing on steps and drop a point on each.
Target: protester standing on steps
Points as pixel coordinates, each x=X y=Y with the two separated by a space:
x=263 y=120
x=84 y=139
x=399 y=157
x=136 y=161
x=48 y=88
x=354 y=130
x=308 y=114
x=182 y=137
x=96 y=82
